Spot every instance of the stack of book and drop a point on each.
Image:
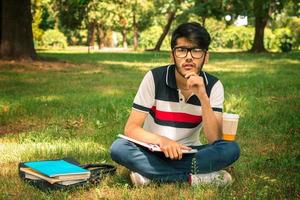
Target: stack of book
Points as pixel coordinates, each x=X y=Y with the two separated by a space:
x=55 y=171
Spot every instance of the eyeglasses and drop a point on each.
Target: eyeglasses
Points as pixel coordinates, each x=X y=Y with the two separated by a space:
x=181 y=52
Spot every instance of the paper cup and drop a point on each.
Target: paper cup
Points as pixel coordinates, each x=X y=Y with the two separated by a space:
x=230 y=124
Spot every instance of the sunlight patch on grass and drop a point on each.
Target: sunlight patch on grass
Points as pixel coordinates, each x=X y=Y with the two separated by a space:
x=233 y=66
x=235 y=104
x=14 y=152
x=109 y=91
x=140 y=65
x=284 y=61
x=4 y=107
x=49 y=98
x=94 y=71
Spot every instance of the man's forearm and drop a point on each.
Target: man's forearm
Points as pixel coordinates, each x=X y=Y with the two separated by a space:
x=138 y=133
x=211 y=126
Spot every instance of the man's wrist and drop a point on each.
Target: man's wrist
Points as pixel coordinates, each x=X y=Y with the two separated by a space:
x=202 y=96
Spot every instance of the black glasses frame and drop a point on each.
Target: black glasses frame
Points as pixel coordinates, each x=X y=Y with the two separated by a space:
x=187 y=49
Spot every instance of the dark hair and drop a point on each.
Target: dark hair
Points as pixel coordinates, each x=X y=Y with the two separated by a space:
x=193 y=32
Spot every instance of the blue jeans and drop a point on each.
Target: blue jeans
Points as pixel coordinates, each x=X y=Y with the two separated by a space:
x=155 y=166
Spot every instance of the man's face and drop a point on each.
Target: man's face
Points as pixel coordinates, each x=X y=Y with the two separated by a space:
x=188 y=63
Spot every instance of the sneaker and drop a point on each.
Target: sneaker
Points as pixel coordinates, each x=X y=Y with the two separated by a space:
x=219 y=178
x=138 y=180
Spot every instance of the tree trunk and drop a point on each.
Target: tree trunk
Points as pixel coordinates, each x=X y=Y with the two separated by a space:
x=124 y=35
x=91 y=36
x=135 y=33
x=16 y=30
x=171 y=16
x=0 y=24
x=262 y=13
x=258 y=43
x=100 y=36
x=203 y=20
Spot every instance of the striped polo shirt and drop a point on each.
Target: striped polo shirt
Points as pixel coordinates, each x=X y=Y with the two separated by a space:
x=169 y=113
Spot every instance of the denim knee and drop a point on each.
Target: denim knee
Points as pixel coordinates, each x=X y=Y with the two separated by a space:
x=233 y=151
x=118 y=150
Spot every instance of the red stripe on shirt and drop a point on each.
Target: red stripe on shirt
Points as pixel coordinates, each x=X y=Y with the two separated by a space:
x=176 y=116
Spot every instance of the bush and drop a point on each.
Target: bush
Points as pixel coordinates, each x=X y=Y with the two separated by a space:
x=215 y=28
x=76 y=36
x=295 y=26
x=238 y=37
x=284 y=39
x=149 y=37
x=232 y=37
x=54 y=38
x=270 y=40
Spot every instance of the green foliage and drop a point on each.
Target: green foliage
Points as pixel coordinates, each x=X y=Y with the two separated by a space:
x=75 y=37
x=54 y=38
x=166 y=6
x=270 y=40
x=288 y=25
x=49 y=15
x=73 y=16
x=144 y=14
x=280 y=39
x=37 y=20
x=208 y=8
x=294 y=26
x=231 y=36
x=36 y=30
x=149 y=37
x=284 y=39
x=71 y=12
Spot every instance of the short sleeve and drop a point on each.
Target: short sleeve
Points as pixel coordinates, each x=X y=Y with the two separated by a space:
x=217 y=97
x=145 y=97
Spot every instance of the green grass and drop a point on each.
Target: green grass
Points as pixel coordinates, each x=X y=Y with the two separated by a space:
x=76 y=104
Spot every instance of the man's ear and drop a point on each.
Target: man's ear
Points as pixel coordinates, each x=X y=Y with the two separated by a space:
x=206 y=57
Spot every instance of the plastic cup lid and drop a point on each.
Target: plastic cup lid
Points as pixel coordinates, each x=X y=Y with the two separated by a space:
x=231 y=115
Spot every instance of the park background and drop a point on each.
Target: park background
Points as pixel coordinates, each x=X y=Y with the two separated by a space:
x=69 y=70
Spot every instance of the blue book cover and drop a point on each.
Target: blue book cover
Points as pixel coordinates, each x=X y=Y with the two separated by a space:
x=54 y=168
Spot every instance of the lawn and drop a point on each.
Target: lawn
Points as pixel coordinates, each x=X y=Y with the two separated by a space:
x=75 y=104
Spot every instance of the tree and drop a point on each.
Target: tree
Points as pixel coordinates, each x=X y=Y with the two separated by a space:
x=168 y=8
x=99 y=20
x=71 y=13
x=123 y=20
x=142 y=14
x=207 y=8
x=16 y=30
x=261 y=11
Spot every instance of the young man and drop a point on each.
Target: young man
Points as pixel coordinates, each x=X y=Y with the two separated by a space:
x=172 y=105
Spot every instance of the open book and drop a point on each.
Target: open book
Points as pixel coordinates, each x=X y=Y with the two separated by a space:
x=151 y=147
